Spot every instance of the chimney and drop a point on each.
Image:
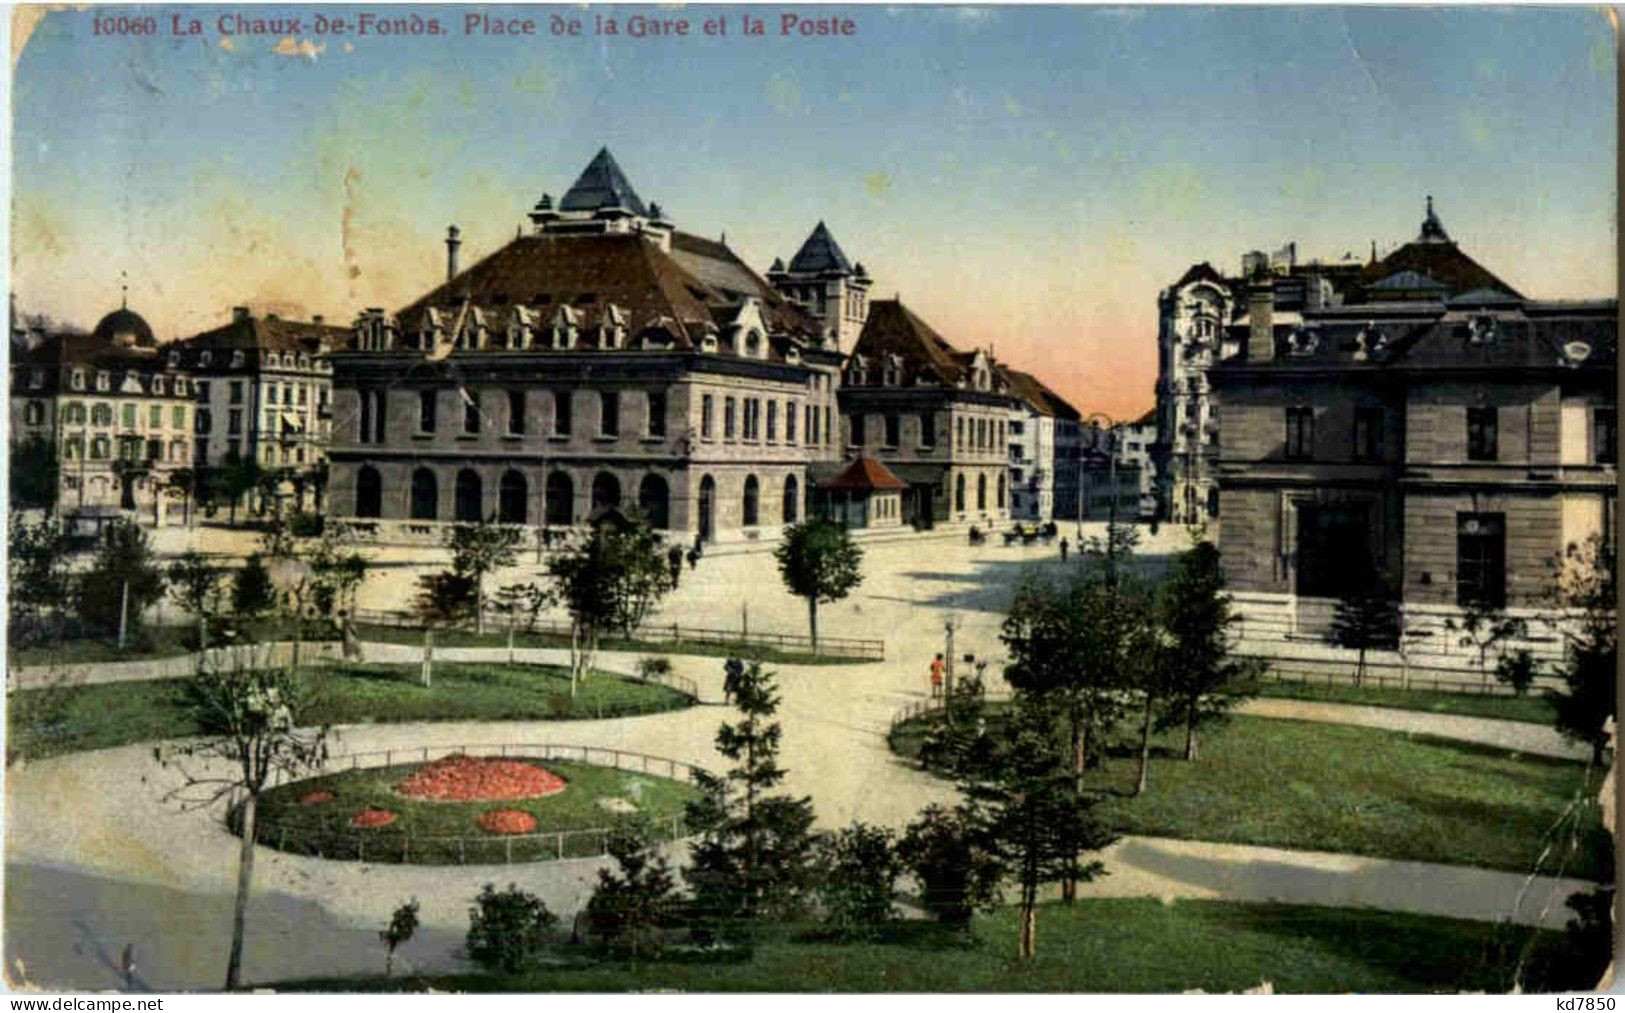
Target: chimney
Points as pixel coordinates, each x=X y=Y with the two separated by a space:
x=239 y=314
x=452 y=243
x=1261 y=318
x=317 y=319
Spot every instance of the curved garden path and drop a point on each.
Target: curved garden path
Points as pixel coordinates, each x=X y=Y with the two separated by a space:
x=96 y=860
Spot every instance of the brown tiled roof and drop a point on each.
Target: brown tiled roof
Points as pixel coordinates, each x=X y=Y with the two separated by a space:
x=864 y=474
x=1033 y=391
x=59 y=350
x=270 y=333
x=892 y=329
x=1443 y=262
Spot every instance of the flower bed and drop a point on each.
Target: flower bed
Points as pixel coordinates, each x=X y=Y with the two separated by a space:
x=315 y=797
x=507 y=821
x=370 y=818
x=462 y=778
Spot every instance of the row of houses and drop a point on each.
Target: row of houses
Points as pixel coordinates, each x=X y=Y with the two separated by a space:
x=603 y=359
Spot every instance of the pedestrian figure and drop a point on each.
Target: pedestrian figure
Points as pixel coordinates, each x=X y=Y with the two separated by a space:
x=733 y=671
x=693 y=559
x=936 y=677
x=1063 y=550
x=126 y=967
x=674 y=560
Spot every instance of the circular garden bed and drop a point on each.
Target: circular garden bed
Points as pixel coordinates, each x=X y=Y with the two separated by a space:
x=462 y=809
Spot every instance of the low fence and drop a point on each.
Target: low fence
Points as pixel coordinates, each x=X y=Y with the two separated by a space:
x=340 y=842
x=653 y=634
x=1301 y=671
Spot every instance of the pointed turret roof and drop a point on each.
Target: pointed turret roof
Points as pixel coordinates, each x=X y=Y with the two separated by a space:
x=820 y=253
x=1432 y=229
x=602 y=184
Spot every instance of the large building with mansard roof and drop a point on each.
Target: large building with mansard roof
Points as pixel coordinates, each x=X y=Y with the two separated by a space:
x=605 y=359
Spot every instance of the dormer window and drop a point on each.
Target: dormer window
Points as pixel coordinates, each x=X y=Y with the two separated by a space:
x=304 y=362
x=103 y=381
x=753 y=345
x=77 y=380
x=36 y=379
x=157 y=385
x=205 y=358
x=708 y=342
x=174 y=360
x=237 y=359
x=1482 y=330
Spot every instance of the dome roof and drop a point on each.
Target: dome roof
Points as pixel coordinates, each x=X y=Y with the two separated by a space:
x=126 y=328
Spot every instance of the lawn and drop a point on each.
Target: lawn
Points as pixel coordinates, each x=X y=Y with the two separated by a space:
x=47 y=722
x=1533 y=708
x=151 y=642
x=1108 y=945
x=468 y=638
x=444 y=833
x=1364 y=791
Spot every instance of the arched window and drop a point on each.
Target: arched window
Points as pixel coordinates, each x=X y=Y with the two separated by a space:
x=791 y=499
x=752 y=501
x=981 y=492
x=654 y=500
x=99 y=448
x=469 y=494
x=707 y=508
x=561 y=496
x=369 y=492
x=425 y=496
x=1001 y=491
x=959 y=494
x=511 y=495
x=606 y=491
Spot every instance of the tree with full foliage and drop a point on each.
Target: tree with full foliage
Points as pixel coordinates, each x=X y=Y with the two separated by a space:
x=125 y=580
x=1519 y=669
x=252 y=716
x=1069 y=645
x=749 y=858
x=507 y=930
x=959 y=741
x=403 y=925
x=1036 y=820
x=35 y=474
x=819 y=562
x=946 y=851
x=636 y=898
x=38 y=583
x=251 y=592
x=856 y=871
x=1583 y=588
x=444 y=598
x=1196 y=619
x=609 y=582
x=183 y=482
x=194 y=585
x=1365 y=618
x=479 y=549
x=337 y=571
x=233 y=481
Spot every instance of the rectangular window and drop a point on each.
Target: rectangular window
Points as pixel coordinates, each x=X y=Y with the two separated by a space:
x=657 y=413
x=155 y=417
x=128 y=415
x=561 y=413
x=202 y=388
x=426 y=408
x=1300 y=432
x=203 y=421
x=236 y=389
x=1481 y=434
x=928 y=431
x=772 y=421
x=1368 y=433
x=708 y=420
x=609 y=413
x=234 y=421
x=1481 y=560
x=270 y=393
x=471 y=411
x=789 y=422
x=177 y=417
x=1604 y=435
x=894 y=434
x=516 y=412
x=812 y=424
x=828 y=422
x=304 y=395
x=858 y=427
x=959 y=433
x=727 y=418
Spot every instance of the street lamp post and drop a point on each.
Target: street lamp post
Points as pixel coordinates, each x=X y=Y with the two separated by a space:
x=949 y=624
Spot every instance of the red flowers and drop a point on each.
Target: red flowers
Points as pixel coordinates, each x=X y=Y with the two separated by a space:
x=370 y=818
x=315 y=797
x=507 y=821
x=462 y=778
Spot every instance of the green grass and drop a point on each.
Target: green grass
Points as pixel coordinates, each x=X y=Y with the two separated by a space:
x=151 y=642
x=468 y=638
x=1109 y=945
x=48 y=722
x=1364 y=791
x=435 y=827
x=1534 y=708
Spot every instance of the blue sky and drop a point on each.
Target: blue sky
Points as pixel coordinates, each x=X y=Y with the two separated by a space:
x=1025 y=177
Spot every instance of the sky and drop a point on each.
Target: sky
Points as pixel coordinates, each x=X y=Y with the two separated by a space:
x=1026 y=179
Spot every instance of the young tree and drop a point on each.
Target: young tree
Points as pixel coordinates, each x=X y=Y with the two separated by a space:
x=35 y=474
x=1584 y=589
x=529 y=599
x=476 y=551
x=183 y=482
x=337 y=571
x=122 y=583
x=251 y=591
x=249 y=716
x=946 y=851
x=1366 y=618
x=1036 y=819
x=819 y=562
x=233 y=481
x=609 y=582
x=856 y=874
x=750 y=855
x=403 y=924
x=507 y=930
x=38 y=586
x=1483 y=626
x=633 y=900
x=194 y=584
x=444 y=598
x=1518 y=669
x=1196 y=618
